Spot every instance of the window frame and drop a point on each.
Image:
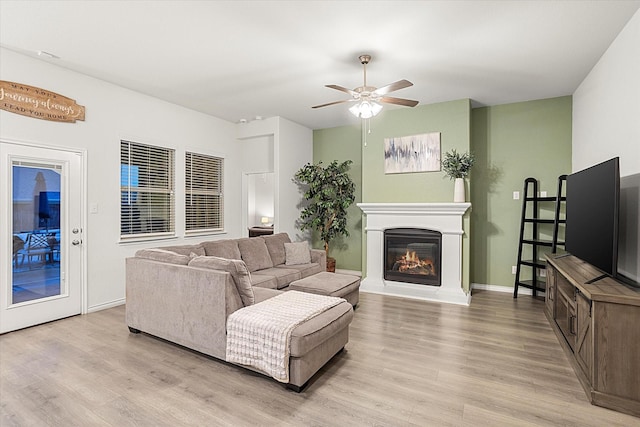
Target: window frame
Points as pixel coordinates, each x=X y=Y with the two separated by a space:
x=190 y=178
x=159 y=176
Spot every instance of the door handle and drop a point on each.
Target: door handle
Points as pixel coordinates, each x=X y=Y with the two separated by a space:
x=76 y=242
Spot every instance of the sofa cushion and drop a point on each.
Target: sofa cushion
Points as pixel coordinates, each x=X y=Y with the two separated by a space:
x=283 y=276
x=185 y=249
x=297 y=253
x=222 y=248
x=305 y=270
x=254 y=252
x=237 y=269
x=325 y=283
x=275 y=245
x=163 y=255
x=264 y=281
x=262 y=294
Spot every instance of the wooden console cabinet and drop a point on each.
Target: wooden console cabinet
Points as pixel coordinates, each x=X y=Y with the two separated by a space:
x=598 y=326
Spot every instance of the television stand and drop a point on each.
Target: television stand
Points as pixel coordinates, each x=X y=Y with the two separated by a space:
x=598 y=327
x=562 y=255
x=595 y=279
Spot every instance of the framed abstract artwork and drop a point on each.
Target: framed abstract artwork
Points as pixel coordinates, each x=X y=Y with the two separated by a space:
x=414 y=153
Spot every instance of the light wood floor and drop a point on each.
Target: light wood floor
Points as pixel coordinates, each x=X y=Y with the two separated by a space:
x=496 y=363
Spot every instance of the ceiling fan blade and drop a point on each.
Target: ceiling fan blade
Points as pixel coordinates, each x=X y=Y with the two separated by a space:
x=400 y=84
x=342 y=89
x=333 y=103
x=398 y=101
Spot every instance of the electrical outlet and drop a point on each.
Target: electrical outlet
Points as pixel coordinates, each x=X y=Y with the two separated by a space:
x=514 y=269
x=543 y=272
x=543 y=194
x=516 y=195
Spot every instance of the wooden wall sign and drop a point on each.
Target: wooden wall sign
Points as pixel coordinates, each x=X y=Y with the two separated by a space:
x=38 y=103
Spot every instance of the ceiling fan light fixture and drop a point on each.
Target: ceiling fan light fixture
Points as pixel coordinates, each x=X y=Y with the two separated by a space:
x=368 y=99
x=365 y=109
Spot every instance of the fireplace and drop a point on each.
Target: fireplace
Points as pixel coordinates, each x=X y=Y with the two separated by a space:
x=412 y=255
x=443 y=218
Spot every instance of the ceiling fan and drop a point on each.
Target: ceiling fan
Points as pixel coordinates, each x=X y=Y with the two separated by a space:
x=368 y=98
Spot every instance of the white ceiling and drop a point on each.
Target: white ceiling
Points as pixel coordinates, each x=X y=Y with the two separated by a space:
x=242 y=59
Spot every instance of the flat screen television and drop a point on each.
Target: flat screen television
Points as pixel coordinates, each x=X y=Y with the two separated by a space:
x=593 y=199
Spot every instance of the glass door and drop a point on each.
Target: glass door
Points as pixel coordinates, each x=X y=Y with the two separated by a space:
x=42 y=188
x=36 y=237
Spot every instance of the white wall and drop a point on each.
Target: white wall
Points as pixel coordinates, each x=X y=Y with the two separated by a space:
x=606 y=124
x=257 y=154
x=114 y=113
x=606 y=106
x=294 y=150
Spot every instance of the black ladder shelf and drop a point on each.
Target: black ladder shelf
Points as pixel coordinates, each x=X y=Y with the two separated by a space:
x=533 y=243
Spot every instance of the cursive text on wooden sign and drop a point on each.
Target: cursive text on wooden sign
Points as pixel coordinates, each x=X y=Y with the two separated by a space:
x=38 y=103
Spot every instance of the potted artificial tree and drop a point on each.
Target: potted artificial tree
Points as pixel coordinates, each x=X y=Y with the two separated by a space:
x=329 y=191
x=457 y=166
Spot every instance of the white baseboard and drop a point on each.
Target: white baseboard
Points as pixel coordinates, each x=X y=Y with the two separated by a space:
x=498 y=288
x=106 y=305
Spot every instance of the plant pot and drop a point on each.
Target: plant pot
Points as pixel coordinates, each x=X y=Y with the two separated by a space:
x=458 y=190
x=331 y=265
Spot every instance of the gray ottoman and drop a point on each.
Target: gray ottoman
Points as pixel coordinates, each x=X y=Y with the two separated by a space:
x=333 y=284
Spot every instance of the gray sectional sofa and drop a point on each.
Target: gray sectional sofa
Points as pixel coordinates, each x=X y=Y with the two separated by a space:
x=184 y=294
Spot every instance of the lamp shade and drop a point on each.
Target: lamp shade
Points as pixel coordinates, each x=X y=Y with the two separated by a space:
x=264 y=220
x=365 y=109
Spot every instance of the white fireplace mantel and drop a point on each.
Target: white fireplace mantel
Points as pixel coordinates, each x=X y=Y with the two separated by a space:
x=443 y=217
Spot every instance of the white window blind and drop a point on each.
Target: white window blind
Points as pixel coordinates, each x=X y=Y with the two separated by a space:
x=147 y=205
x=203 y=193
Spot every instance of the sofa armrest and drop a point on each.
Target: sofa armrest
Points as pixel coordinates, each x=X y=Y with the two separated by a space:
x=182 y=304
x=319 y=256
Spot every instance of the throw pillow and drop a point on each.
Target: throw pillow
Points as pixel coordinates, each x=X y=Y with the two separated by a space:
x=238 y=270
x=163 y=255
x=255 y=253
x=297 y=253
x=222 y=249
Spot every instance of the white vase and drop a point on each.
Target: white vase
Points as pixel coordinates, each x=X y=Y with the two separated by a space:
x=458 y=190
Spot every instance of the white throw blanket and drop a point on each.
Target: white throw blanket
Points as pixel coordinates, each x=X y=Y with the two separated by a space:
x=260 y=335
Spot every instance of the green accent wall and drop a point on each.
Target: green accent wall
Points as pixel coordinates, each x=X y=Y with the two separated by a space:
x=451 y=119
x=512 y=142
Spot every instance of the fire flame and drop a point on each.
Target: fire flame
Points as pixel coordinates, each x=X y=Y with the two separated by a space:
x=411 y=263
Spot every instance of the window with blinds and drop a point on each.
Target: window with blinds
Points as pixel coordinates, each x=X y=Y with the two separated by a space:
x=147 y=204
x=203 y=193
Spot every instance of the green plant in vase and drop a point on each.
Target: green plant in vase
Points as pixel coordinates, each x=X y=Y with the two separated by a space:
x=457 y=167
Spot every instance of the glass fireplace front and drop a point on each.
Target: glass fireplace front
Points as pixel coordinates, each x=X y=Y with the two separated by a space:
x=413 y=255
